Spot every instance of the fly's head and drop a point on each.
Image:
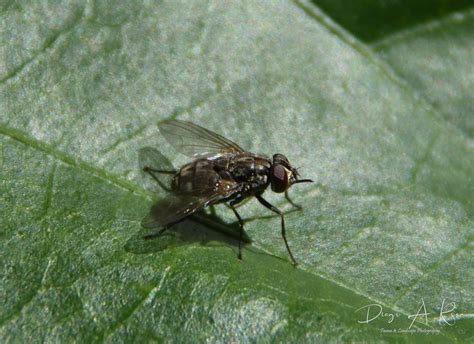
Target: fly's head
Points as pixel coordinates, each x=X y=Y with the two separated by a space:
x=283 y=175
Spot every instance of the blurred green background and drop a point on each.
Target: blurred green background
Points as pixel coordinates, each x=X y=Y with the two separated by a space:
x=371 y=20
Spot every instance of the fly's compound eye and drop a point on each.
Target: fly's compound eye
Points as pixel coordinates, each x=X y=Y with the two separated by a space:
x=279 y=178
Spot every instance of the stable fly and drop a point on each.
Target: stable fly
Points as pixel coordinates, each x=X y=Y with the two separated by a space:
x=221 y=171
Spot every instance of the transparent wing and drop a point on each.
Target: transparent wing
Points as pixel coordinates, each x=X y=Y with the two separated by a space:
x=176 y=207
x=173 y=209
x=195 y=141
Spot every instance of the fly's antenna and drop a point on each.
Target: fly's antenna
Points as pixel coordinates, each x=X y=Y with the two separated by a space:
x=303 y=181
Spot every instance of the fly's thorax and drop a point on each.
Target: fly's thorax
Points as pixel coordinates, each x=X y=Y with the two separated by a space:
x=250 y=168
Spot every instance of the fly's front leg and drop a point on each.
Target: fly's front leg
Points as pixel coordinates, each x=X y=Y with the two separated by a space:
x=291 y=202
x=241 y=222
x=279 y=212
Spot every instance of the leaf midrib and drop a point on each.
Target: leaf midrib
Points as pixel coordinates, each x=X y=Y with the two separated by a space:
x=48 y=149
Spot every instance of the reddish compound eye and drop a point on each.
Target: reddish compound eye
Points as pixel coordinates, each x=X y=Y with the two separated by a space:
x=279 y=178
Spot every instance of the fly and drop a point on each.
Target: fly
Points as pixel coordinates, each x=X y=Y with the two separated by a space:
x=220 y=172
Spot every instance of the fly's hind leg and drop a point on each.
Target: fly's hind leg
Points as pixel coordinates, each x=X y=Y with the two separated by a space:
x=152 y=171
x=279 y=212
x=241 y=223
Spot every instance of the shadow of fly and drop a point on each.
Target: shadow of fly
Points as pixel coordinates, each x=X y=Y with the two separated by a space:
x=220 y=172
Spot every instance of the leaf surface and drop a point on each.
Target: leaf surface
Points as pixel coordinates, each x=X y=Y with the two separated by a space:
x=389 y=219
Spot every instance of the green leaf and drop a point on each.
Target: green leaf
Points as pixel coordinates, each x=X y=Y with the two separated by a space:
x=388 y=221
x=445 y=79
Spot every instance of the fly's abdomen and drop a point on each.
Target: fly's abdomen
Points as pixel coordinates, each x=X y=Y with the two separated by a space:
x=196 y=177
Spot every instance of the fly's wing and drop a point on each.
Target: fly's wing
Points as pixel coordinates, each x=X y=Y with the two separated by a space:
x=176 y=207
x=173 y=209
x=151 y=161
x=195 y=141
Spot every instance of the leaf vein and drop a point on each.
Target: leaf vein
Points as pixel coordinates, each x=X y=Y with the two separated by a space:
x=33 y=294
x=49 y=150
x=424 y=159
x=48 y=193
x=49 y=42
x=148 y=297
x=432 y=268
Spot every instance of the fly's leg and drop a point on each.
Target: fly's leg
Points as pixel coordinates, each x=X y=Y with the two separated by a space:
x=291 y=202
x=241 y=223
x=152 y=171
x=278 y=211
